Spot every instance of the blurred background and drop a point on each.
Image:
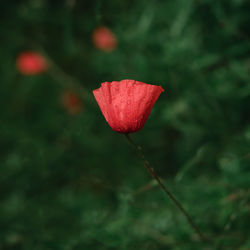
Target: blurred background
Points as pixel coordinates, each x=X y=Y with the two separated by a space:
x=68 y=181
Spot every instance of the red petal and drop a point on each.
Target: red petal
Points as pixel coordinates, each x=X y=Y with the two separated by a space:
x=31 y=63
x=127 y=104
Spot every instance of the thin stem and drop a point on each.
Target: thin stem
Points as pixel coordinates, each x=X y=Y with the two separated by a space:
x=66 y=80
x=151 y=170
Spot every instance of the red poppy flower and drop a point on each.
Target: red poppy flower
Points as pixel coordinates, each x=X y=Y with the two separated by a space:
x=31 y=63
x=104 y=39
x=127 y=104
x=71 y=102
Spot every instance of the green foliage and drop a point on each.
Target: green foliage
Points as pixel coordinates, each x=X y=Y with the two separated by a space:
x=69 y=182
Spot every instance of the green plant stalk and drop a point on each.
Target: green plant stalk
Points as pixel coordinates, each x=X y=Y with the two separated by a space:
x=151 y=170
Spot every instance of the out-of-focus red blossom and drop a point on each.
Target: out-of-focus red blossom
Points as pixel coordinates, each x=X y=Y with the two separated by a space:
x=31 y=63
x=127 y=104
x=71 y=102
x=104 y=39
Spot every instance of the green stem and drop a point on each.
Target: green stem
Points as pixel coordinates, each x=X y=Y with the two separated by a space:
x=151 y=170
x=66 y=80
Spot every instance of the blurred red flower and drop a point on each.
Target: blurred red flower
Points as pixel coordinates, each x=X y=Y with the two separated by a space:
x=127 y=104
x=31 y=63
x=104 y=39
x=71 y=102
